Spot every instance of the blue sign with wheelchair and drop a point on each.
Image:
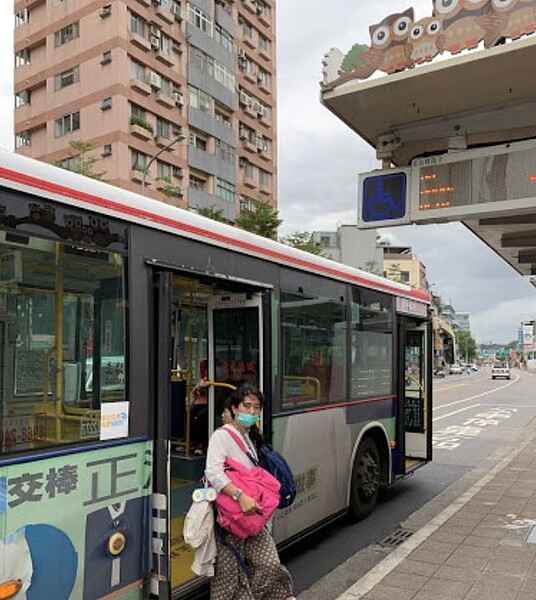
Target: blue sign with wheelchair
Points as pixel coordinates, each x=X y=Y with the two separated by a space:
x=384 y=197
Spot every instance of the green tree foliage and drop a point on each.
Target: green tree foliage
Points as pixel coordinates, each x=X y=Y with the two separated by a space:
x=466 y=345
x=371 y=266
x=352 y=58
x=211 y=212
x=394 y=272
x=85 y=164
x=302 y=240
x=261 y=219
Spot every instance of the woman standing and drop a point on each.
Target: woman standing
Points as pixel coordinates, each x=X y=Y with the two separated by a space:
x=246 y=569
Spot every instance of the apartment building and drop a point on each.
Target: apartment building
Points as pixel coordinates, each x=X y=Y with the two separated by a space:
x=176 y=98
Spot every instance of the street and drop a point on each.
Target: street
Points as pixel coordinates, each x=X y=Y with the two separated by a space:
x=474 y=417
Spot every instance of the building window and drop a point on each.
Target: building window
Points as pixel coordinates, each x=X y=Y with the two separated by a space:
x=106 y=103
x=72 y=163
x=22 y=17
x=208 y=65
x=137 y=70
x=67 y=34
x=263 y=77
x=223 y=38
x=67 y=124
x=24 y=138
x=264 y=178
x=264 y=43
x=163 y=170
x=249 y=171
x=138 y=160
x=67 y=78
x=222 y=117
x=225 y=189
x=199 y=19
x=247 y=30
x=164 y=128
x=225 y=151
x=106 y=57
x=404 y=276
x=23 y=98
x=136 y=25
x=200 y=100
x=224 y=76
x=22 y=58
x=138 y=112
x=197 y=183
x=198 y=141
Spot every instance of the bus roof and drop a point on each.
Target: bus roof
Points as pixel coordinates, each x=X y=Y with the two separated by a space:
x=47 y=181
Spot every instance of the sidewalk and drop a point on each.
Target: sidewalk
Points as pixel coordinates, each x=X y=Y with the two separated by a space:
x=481 y=546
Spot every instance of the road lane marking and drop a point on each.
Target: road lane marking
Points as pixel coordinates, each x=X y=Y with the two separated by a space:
x=469 y=398
x=455 y=412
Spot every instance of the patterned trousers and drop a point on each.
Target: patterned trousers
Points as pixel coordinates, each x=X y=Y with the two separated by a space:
x=267 y=578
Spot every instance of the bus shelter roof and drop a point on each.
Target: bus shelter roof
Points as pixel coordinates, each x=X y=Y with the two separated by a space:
x=476 y=99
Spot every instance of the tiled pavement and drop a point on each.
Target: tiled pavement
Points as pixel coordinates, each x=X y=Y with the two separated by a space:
x=482 y=546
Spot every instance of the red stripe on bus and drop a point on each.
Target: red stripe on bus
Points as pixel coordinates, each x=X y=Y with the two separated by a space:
x=155 y=218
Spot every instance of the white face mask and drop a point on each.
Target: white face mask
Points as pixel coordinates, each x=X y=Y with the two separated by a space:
x=16 y=561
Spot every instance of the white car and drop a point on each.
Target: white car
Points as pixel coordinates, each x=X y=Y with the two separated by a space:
x=500 y=369
x=455 y=370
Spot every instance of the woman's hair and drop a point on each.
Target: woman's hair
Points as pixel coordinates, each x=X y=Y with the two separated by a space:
x=242 y=392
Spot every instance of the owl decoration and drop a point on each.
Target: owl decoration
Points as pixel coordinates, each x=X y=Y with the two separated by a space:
x=510 y=19
x=425 y=41
x=386 y=51
x=390 y=37
x=464 y=22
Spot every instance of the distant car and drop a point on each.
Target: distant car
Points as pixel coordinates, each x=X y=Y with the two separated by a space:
x=455 y=370
x=500 y=369
x=473 y=367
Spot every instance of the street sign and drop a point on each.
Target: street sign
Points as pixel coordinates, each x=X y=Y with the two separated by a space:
x=383 y=198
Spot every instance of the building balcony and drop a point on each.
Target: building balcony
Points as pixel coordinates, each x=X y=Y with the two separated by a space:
x=140 y=86
x=165 y=58
x=140 y=132
x=165 y=100
x=139 y=41
x=136 y=175
x=164 y=13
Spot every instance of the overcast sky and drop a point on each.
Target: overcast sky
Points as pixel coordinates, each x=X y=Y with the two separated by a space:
x=320 y=158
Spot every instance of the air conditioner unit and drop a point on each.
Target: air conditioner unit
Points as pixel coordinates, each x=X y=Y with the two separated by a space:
x=179 y=98
x=106 y=11
x=261 y=111
x=260 y=77
x=155 y=80
x=260 y=143
x=241 y=53
x=154 y=30
x=155 y=42
x=243 y=134
x=244 y=99
x=242 y=161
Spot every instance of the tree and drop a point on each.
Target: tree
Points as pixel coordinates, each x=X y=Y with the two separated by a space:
x=394 y=272
x=466 y=345
x=211 y=212
x=371 y=266
x=302 y=240
x=84 y=165
x=261 y=219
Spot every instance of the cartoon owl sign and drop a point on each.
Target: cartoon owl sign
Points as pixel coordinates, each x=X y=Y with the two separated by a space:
x=398 y=42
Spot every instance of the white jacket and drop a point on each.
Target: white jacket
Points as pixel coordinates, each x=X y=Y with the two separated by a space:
x=199 y=534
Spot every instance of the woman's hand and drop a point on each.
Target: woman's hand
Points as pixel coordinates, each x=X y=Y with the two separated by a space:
x=248 y=505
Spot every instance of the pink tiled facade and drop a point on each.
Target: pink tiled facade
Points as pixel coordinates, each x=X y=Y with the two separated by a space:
x=177 y=99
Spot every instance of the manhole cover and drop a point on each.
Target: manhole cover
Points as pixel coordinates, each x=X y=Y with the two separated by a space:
x=396 y=537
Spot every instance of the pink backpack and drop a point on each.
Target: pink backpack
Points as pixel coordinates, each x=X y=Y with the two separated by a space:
x=258 y=484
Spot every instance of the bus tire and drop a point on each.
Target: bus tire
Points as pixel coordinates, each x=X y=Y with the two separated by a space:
x=365 y=479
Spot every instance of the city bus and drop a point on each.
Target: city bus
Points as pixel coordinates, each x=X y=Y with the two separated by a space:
x=113 y=307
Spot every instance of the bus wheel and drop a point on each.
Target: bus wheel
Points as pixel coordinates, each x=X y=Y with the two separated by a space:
x=365 y=479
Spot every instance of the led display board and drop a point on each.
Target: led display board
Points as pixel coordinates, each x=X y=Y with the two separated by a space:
x=474 y=182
